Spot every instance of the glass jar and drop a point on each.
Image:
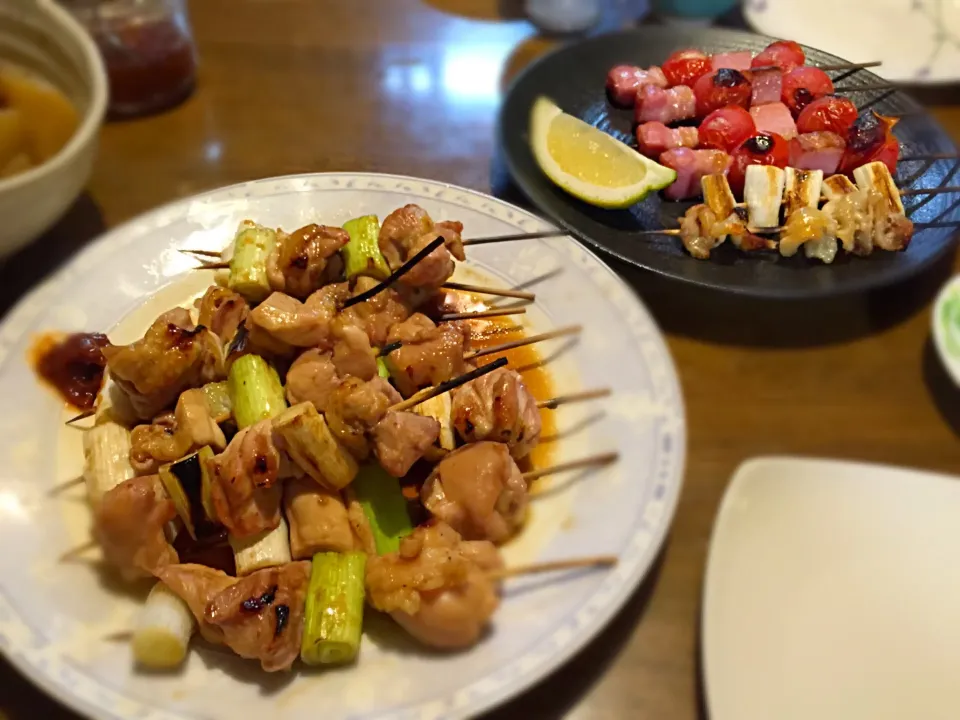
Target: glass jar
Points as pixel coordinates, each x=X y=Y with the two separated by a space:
x=148 y=49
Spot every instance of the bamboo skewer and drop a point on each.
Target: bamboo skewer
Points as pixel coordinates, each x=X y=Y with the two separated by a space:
x=441 y=388
x=517 y=236
x=79 y=549
x=602 y=459
x=931 y=191
x=503 y=347
x=554 y=566
x=519 y=294
x=829 y=68
x=66 y=485
x=202 y=253
x=930 y=156
x=82 y=416
x=481 y=314
x=556 y=402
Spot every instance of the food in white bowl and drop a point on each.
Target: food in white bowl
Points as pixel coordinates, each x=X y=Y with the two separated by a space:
x=48 y=62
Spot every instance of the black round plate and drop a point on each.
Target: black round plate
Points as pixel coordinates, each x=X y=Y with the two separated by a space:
x=574 y=77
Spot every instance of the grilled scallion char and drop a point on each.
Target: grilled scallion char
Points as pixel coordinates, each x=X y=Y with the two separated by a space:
x=333 y=614
x=382 y=500
x=255 y=390
x=248 y=268
x=362 y=256
x=314 y=449
x=188 y=484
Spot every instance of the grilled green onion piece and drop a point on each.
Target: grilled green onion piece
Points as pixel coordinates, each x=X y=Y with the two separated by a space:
x=163 y=630
x=382 y=369
x=313 y=447
x=106 y=459
x=217 y=395
x=383 y=503
x=333 y=615
x=255 y=390
x=267 y=549
x=188 y=485
x=248 y=268
x=362 y=256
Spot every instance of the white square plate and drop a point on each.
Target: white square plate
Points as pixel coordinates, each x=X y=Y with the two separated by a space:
x=833 y=592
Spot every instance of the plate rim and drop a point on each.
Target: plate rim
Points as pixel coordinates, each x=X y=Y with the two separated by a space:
x=857 y=285
x=721 y=519
x=625 y=588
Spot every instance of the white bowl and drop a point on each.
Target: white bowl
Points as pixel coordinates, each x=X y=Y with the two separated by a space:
x=45 y=38
x=946 y=333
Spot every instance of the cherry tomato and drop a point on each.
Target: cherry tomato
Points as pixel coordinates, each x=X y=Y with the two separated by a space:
x=803 y=85
x=725 y=129
x=761 y=149
x=685 y=67
x=832 y=113
x=721 y=88
x=785 y=54
x=871 y=139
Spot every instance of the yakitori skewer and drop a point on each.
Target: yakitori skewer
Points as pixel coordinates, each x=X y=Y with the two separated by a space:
x=931 y=191
x=829 y=68
x=503 y=347
x=395 y=275
x=864 y=88
x=441 y=388
x=469 y=241
x=602 y=459
x=929 y=156
x=554 y=403
x=82 y=416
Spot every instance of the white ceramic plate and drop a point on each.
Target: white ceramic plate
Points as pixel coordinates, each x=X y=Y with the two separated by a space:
x=832 y=592
x=918 y=41
x=54 y=617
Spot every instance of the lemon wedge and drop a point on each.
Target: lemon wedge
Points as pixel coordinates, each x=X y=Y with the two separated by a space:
x=588 y=163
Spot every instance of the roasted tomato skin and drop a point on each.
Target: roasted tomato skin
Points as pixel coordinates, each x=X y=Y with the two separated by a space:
x=685 y=67
x=720 y=89
x=725 y=129
x=831 y=113
x=870 y=139
x=803 y=85
x=785 y=54
x=760 y=149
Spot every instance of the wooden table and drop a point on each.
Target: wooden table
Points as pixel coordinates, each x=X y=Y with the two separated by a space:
x=412 y=87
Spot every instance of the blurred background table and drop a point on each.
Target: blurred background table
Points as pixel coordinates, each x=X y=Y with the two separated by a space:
x=412 y=87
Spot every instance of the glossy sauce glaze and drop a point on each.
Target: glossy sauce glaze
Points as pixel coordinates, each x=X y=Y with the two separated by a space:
x=72 y=364
x=525 y=360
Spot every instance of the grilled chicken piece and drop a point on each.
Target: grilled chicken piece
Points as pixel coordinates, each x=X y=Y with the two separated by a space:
x=402 y=438
x=289 y=322
x=169 y=438
x=172 y=356
x=128 y=524
x=406 y=231
x=499 y=407
x=222 y=311
x=243 y=486
x=258 y=617
x=437 y=587
x=429 y=355
x=352 y=353
x=306 y=259
x=312 y=378
x=378 y=314
x=697 y=231
x=317 y=517
x=355 y=408
x=479 y=491
x=196 y=585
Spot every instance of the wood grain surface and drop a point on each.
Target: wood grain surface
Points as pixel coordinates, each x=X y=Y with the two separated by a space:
x=412 y=87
